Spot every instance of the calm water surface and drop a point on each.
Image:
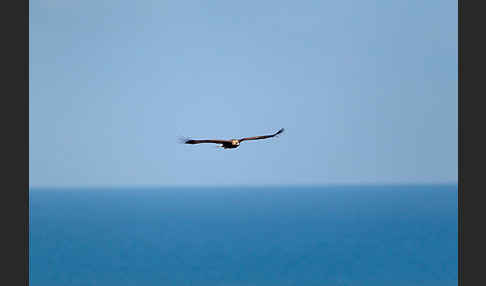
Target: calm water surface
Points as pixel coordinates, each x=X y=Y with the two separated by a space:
x=387 y=235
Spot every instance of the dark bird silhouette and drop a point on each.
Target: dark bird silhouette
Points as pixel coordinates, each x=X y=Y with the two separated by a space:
x=233 y=143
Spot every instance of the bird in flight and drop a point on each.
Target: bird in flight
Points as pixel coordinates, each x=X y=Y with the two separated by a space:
x=233 y=143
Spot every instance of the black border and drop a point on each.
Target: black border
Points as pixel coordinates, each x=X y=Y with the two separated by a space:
x=15 y=142
x=471 y=158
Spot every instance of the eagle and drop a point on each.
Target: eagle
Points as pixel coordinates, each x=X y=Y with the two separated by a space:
x=233 y=143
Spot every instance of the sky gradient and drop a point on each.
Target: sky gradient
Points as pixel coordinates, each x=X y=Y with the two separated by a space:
x=366 y=90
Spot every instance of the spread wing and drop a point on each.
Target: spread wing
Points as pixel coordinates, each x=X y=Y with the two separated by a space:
x=191 y=141
x=262 y=137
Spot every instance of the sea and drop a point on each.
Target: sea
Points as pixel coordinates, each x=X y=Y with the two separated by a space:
x=244 y=236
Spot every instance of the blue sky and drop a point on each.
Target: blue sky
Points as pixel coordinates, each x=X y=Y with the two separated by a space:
x=367 y=92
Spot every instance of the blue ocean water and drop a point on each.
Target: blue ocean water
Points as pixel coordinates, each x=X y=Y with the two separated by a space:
x=359 y=235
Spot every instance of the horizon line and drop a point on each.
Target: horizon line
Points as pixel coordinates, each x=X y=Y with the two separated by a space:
x=181 y=186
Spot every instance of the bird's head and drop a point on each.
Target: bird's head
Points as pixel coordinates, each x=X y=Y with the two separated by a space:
x=235 y=142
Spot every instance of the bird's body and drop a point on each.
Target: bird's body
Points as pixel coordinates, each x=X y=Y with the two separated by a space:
x=233 y=143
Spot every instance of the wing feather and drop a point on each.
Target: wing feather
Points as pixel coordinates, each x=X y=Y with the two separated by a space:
x=262 y=137
x=192 y=141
